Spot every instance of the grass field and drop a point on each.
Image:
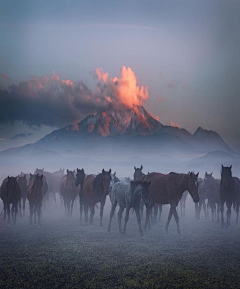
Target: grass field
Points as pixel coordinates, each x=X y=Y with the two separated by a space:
x=63 y=253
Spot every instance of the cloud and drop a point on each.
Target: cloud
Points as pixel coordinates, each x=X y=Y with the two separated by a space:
x=5 y=76
x=21 y=135
x=48 y=100
x=124 y=91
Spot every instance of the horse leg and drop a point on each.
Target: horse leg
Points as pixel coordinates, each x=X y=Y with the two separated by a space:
x=218 y=209
x=139 y=221
x=72 y=202
x=196 y=210
x=35 y=214
x=126 y=219
x=20 y=207
x=39 y=207
x=8 y=212
x=204 y=208
x=160 y=213
x=176 y=219
x=120 y=212
x=15 y=212
x=24 y=201
x=31 y=213
x=222 y=211
x=155 y=212
x=169 y=218
x=86 y=207
x=81 y=205
x=101 y=212
x=229 y=205
x=111 y=215
x=5 y=212
x=147 y=223
x=92 y=212
x=237 y=212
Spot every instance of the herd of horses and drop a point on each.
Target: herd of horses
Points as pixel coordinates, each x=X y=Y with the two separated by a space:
x=151 y=190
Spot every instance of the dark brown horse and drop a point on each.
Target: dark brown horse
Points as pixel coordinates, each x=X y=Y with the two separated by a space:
x=80 y=178
x=69 y=191
x=227 y=193
x=168 y=189
x=35 y=194
x=22 y=180
x=10 y=194
x=212 y=194
x=202 y=199
x=95 y=190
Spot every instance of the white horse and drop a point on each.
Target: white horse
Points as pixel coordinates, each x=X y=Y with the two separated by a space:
x=128 y=196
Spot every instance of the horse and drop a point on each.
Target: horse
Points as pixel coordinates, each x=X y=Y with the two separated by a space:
x=183 y=203
x=202 y=200
x=53 y=180
x=227 y=193
x=69 y=191
x=35 y=194
x=128 y=196
x=10 y=194
x=168 y=189
x=22 y=180
x=80 y=178
x=212 y=194
x=95 y=190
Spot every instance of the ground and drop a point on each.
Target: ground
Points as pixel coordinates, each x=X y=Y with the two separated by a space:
x=63 y=253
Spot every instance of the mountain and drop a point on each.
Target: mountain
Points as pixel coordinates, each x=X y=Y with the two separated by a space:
x=132 y=131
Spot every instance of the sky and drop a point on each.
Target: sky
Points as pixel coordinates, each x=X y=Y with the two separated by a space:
x=61 y=60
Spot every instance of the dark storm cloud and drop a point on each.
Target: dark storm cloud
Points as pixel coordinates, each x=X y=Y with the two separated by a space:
x=49 y=100
x=21 y=135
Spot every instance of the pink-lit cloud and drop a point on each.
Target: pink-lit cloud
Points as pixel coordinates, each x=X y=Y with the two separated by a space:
x=5 y=76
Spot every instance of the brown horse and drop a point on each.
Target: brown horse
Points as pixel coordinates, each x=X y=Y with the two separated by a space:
x=69 y=191
x=95 y=190
x=22 y=180
x=10 y=194
x=35 y=194
x=80 y=178
x=168 y=189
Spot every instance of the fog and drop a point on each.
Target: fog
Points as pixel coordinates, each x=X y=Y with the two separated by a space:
x=66 y=253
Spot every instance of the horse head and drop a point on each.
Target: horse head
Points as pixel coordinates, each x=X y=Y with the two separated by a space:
x=38 y=183
x=80 y=177
x=137 y=173
x=11 y=183
x=106 y=179
x=193 y=186
x=226 y=177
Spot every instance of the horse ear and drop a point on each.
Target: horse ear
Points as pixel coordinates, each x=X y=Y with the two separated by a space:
x=78 y=170
x=110 y=171
x=211 y=173
x=134 y=168
x=114 y=174
x=73 y=171
x=197 y=174
x=8 y=178
x=230 y=167
x=67 y=171
x=141 y=167
x=222 y=166
x=103 y=171
x=30 y=174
